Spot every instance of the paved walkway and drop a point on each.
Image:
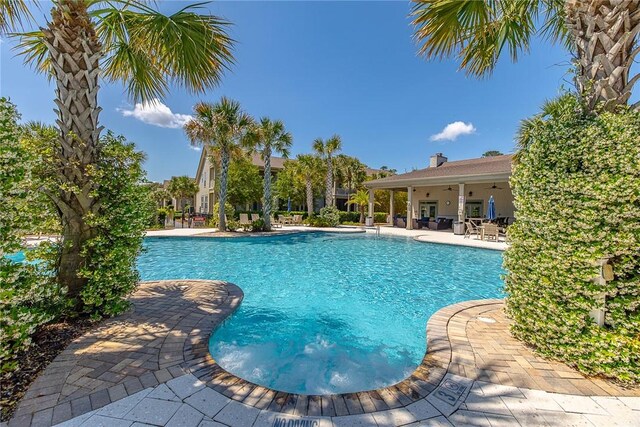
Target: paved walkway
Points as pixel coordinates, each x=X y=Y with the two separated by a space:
x=151 y=366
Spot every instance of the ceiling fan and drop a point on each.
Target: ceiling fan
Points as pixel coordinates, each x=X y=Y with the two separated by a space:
x=448 y=189
x=494 y=187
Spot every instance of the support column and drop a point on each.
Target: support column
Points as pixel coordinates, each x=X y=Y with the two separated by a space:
x=461 y=199
x=409 y=208
x=371 y=201
x=391 y=207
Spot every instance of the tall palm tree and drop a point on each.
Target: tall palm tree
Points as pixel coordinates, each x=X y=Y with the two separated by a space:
x=308 y=166
x=360 y=198
x=266 y=137
x=602 y=34
x=182 y=187
x=326 y=149
x=222 y=128
x=120 y=41
x=351 y=171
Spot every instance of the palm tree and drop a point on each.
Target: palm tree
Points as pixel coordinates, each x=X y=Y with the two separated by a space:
x=326 y=150
x=122 y=40
x=266 y=137
x=222 y=128
x=182 y=187
x=308 y=166
x=360 y=198
x=351 y=171
x=602 y=34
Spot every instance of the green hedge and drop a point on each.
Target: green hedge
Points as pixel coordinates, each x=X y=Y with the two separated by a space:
x=576 y=184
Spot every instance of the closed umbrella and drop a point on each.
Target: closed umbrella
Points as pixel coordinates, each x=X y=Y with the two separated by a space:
x=491 y=209
x=289 y=205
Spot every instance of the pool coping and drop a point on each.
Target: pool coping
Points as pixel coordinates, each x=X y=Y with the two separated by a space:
x=420 y=384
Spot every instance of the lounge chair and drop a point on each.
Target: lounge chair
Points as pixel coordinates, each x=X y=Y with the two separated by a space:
x=255 y=217
x=297 y=220
x=275 y=222
x=245 y=223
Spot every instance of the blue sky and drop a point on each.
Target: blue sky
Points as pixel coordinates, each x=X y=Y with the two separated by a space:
x=349 y=68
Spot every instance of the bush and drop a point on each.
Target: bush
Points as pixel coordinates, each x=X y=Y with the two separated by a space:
x=330 y=215
x=229 y=211
x=121 y=223
x=576 y=184
x=161 y=217
x=380 y=217
x=28 y=295
x=349 y=217
x=258 y=225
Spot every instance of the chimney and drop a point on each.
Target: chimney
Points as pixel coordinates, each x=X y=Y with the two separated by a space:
x=436 y=160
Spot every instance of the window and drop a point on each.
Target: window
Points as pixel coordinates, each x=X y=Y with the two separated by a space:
x=428 y=209
x=474 y=209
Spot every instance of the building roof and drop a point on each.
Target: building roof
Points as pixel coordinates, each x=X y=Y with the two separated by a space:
x=488 y=167
x=276 y=162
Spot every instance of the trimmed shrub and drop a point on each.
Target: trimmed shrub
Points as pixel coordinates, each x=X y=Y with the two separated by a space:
x=28 y=295
x=380 y=216
x=576 y=184
x=258 y=225
x=121 y=222
x=349 y=217
x=330 y=215
x=277 y=214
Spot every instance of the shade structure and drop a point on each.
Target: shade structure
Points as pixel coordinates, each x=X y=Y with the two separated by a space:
x=491 y=209
x=289 y=205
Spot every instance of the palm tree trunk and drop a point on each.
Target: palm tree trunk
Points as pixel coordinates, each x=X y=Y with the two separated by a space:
x=329 y=184
x=266 y=202
x=75 y=51
x=604 y=32
x=309 y=185
x=222 y=191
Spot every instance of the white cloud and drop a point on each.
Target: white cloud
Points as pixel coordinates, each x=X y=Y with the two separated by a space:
x=195 y=147
x=453 y=131
x=157 y=114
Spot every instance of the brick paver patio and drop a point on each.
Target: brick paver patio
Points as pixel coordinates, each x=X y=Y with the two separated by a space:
x=152 y=366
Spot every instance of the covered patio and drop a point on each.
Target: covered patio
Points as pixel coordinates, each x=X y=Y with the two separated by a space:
x=446 y=193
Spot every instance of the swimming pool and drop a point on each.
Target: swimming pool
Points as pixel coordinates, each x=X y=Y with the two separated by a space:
x=326 y=313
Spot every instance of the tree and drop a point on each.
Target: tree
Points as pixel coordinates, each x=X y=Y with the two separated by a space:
x=243 y=182
x=222 y=128
x=351 y=172
x=326 y=150
x=123 y=41
x=492 y=153
x=182 y=187
x=266 y=137
x=308 y=166
x=602 y=34
x=360 y=198
x=290 y=185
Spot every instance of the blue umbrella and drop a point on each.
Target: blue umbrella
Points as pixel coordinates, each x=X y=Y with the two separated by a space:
x=289 y=205
x=491 y=209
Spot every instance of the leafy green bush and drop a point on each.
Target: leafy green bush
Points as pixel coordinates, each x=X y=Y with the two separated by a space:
x=330 y=215
x=278 y=214
x=576 y=183
x=258 y=225
x=229 y=211
x=28 y=296
x=121 y=222
x=161 y=217
x=380 y=217
x=349 y=216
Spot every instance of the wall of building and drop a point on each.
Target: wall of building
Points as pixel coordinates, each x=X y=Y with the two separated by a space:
x=480 y=193
x=203 y=200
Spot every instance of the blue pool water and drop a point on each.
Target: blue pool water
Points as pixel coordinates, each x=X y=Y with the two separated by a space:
x=327 y=313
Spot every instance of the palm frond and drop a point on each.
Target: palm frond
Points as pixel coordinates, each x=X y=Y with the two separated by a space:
x=186 y=48
x=13 y=14
x=34 y=50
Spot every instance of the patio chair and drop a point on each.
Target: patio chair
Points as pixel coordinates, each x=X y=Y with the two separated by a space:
x=297 y=220
x=491 y=231
x=275 y=222
x=255 y=217
x=469 y=229
x=245 y=223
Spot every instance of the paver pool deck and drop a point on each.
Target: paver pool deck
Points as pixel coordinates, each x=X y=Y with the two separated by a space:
x=151 y=366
